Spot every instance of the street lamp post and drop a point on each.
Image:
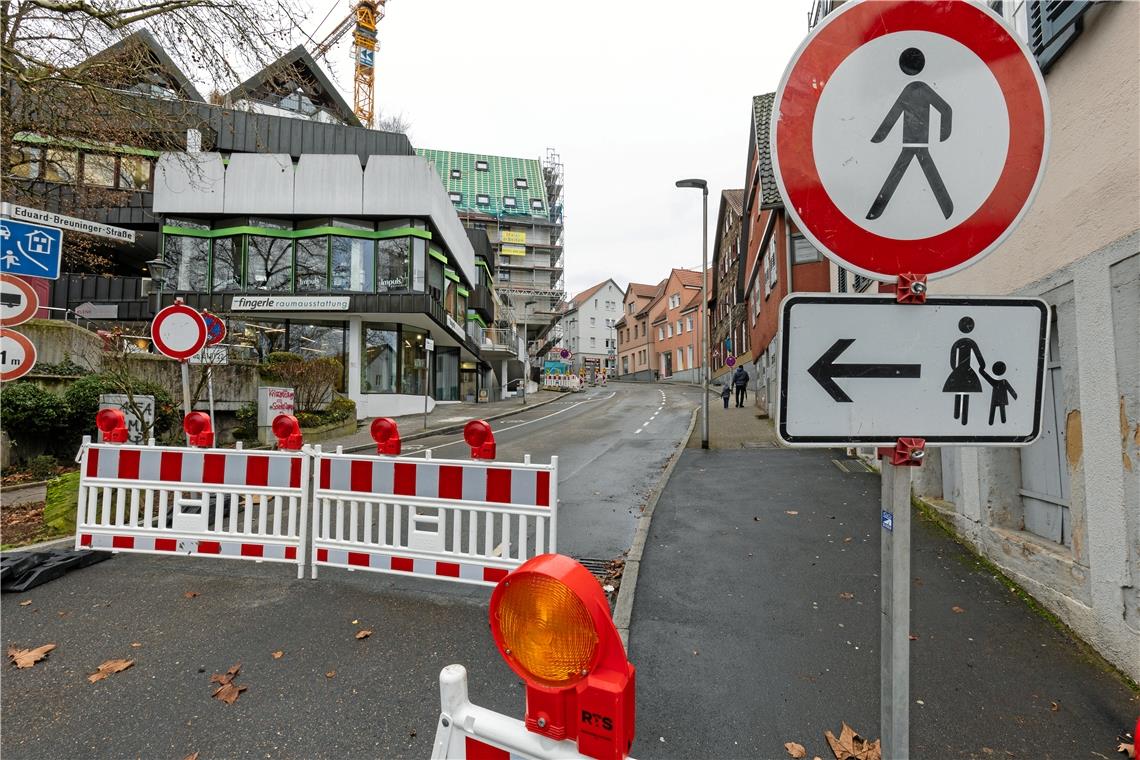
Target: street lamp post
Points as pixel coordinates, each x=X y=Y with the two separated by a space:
x=526 y=350
x=703 y=186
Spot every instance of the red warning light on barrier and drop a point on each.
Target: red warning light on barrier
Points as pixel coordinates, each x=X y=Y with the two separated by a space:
x=288 y=432
x=112 y=423
x=387 y=436
x=479 y=437
x=200 y=430
x=552 y=624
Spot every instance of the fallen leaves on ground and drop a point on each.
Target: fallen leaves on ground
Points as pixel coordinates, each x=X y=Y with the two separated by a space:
x=190 y=594
x=363 y=633
x=851 y=746
x=26 y=658
x=791 y=512
x=135 y=644
x=1054 y=706
x=848 y=540
x=330 y=674
x=227 y=691
x=846 y=595
x=25 y=603
x=191 y=756
x=277 y=655
x=913 y=637
x=957 y=609
x=109 y=667
x=795 y=750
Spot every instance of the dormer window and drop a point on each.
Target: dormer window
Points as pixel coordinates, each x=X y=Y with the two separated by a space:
x=520 y=183
x=481 y=166
x=536 y=204
x=483 y=200
x=455 y=197
x=456 y=174
x=509 y=201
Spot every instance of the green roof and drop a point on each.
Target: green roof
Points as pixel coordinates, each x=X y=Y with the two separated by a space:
x=497 y=182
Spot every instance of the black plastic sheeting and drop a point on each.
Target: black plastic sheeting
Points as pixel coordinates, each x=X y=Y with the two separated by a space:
x=20 y=571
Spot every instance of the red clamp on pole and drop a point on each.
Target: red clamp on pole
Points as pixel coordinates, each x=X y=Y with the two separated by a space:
x=197 y=427
x=911 y=288
x=288 y=432
x=908 y=452
x=112 y=423
x=387 y=436
x=479 y=437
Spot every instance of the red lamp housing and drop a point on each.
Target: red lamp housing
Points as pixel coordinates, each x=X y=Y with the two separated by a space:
x=288 y=432
x=112 y=423
x=387 y=436
x=199 y=429
x=552 y=624
x=479 y=437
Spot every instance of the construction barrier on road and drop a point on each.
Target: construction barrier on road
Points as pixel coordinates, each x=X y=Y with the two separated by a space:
x=226 y=504
x=459 y=520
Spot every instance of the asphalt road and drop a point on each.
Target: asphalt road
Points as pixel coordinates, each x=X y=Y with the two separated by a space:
x=382 y=697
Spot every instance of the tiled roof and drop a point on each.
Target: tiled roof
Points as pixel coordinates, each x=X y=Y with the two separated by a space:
x=735 y=200
x=497 y=182
x=579 y=299
x=642 y=290
x=762 y=122
x=688 y=277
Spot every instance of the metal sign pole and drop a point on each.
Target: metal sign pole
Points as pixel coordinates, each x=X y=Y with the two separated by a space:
x=894 y=606
x=186 y=391
x=427 y=376
x=210 y=393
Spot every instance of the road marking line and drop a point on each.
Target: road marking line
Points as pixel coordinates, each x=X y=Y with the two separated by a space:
x=635 y=432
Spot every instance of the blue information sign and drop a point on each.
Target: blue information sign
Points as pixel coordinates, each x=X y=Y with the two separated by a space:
x=30 y=250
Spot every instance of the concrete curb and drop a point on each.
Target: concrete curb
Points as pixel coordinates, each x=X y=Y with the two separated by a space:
x=458 y=427
x=623 y=610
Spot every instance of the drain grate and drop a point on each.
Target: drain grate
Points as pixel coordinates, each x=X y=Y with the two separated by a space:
x=607 y=571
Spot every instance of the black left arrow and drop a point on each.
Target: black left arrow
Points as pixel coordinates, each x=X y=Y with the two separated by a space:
x=825 y=370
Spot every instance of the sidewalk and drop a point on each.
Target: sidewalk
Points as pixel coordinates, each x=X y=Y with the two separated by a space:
x=734 y=428
x=445 y=418
x=756 y=622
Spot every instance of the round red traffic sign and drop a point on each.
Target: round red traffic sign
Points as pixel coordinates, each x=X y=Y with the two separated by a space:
x=18 y=301
x=909 y=137
x=215 y=328
x=178 y=331
x=17 y=355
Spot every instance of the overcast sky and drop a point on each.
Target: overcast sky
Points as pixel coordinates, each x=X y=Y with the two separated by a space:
x=633 y=94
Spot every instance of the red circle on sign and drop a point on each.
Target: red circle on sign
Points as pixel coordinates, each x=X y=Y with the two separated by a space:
x=793 y=157
x=178 y=331
x=215 y=328
x=31 y=302
x=26 y=364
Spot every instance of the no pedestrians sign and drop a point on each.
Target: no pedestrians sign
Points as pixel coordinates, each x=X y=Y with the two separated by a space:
x=910 y=137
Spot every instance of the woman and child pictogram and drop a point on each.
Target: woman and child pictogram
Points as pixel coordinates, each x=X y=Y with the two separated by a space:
x=963 y=380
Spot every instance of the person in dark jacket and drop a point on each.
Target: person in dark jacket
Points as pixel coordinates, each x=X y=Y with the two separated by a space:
x=740 y=382
x=725 y=394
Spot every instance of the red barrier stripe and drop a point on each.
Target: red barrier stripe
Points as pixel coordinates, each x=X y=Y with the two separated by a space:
x=252 y=550
x=450 y=569
x=92 y=462
x=542 y=489
x=403 y=564
x=404 y=479
x=295 y=473
x=122 y=542
x=209 y=547
x=129 y=464
x=477 y=750
x=450 y=482
x=85 y=539
x=170 y=466
x=360 y=476
x=326 y=472
x=499 y=486
x=359 y=559
x=290 y=552
x=166 y=544
x=213 y=468
x=494 y=574
x=322 y=554
x=256 y=470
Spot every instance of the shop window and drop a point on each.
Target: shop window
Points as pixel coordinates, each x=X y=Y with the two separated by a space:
x=392 y=265
x=446 y=374
x=188 y=259
x=135 y=173
x=313 y=263
x=98 y=170
x=24 y=162
x=353 y=264
x=419 y=264
x=380 y=358
x=60 y=165
x=413 y=363
x=269 y=263
x=320 y=340
x=226 y=265
x=260 y=339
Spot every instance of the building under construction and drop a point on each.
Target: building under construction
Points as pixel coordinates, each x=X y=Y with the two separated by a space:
x=519 y=202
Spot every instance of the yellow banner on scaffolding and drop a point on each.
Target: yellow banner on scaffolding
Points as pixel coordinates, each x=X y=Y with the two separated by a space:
x=513 y=250
x=513 y=236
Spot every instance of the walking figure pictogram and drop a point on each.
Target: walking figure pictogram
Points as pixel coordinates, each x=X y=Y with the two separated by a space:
x=913 y=106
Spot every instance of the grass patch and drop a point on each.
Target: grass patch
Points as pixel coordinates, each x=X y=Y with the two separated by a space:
x=930 y=514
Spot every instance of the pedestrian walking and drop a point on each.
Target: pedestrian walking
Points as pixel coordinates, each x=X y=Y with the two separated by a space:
x=725 y=393
x=740 y=381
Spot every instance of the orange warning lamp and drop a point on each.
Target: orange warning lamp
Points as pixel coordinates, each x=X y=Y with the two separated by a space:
x=479 y=437
x=197 y=426
x=552 y=624
x=112 y=423
x=387 y=436
x=288 y=432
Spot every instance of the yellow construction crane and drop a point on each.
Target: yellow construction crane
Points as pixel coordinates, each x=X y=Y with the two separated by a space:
x=362 y=21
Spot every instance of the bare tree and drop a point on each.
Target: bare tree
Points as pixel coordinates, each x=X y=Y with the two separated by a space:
x=393 y=123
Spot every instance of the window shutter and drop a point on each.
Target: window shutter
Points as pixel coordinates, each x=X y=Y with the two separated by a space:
x=1053 y=25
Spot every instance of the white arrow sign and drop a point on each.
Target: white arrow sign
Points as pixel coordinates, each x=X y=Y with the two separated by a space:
x=866 y=369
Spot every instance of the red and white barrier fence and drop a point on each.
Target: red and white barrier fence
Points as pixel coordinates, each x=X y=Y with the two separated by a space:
x=460 y=520
x=227 y=504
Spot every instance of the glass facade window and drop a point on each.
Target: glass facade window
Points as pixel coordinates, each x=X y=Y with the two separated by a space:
x=413 y=361
x=315 y=340
x=450 y=294
x=188 y=260
x=435 y=279
x=379 y=360
x=392 y=265
x=312 y=263
x=259 y=338
x=60 y=165
x=269 y=263
x=134 y=173
x=98 y=170
x=446 y=374
x=25 y=162
x=227 y=264
x=353 y=264
x=419 y=264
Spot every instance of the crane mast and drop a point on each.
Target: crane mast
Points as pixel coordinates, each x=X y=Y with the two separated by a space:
x=362 y=21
